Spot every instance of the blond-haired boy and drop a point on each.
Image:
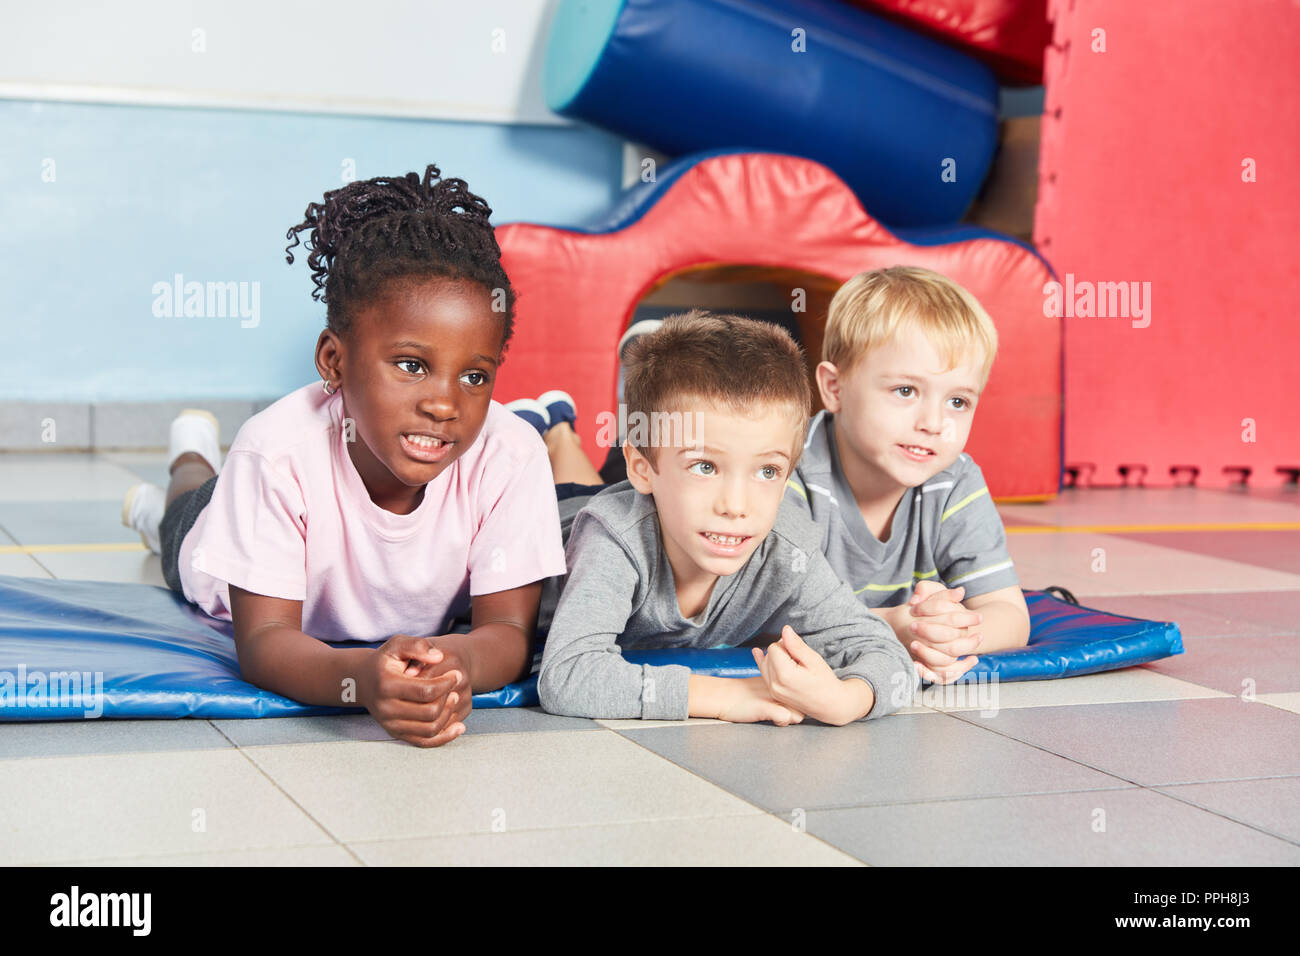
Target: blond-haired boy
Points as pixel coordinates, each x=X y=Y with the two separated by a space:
x=701 y=548
x=906 y=515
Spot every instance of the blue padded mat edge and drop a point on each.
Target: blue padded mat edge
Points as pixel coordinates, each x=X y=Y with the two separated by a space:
x=158 y=656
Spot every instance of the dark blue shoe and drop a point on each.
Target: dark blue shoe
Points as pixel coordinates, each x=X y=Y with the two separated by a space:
x=531 y=411
x=559 y=408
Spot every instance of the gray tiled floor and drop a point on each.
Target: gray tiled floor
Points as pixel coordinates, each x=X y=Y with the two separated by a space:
x=1161 y=742
x=22 y=566
x=1266 y=549
x=1269 y=803
x=1133 y=827
x=302 y=730
x=116 y=805
x=903 y=758
x=68 y=737
x=1279 y=611
x=64 y=522
x=742 y=841
x=1195 y=617
x=515 y=781
x=1261 y=665
x=331 y=855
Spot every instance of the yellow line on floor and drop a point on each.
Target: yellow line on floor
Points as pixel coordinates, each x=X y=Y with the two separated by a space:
x=1126 y=528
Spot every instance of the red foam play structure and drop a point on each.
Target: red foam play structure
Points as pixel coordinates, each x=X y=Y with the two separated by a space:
x=1169 y=160
x=1008 y=35
x=578 y=291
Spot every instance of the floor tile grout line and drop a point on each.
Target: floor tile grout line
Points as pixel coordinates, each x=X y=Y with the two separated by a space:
x=323 y=828
x=1175 y=596
x=238 y=746
x=75 y=755
x=960 y=799
x=303 y=810
x=835 y=807
x=1214 y=694
x=392 y=740
x=715 y=784
x=1047 y=793
x=839 y=807
x=1045 y=750
x=1115 y=775
x=1253 y=826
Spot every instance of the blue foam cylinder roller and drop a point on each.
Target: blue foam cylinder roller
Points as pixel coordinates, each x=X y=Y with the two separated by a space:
x=909 y=124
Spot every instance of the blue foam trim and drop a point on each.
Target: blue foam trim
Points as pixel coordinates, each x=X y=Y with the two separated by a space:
x=945 y=235
x=161 y=657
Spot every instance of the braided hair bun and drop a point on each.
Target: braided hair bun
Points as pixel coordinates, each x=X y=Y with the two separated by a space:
x=375 y=231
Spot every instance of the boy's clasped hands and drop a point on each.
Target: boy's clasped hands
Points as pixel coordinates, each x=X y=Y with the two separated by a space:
x=938 y=631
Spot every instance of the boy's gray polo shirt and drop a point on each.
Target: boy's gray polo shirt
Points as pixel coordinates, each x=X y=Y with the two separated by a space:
x=946 y=530
x=619 y=593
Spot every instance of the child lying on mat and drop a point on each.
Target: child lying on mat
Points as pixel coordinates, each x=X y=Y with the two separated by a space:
x=905 y=514
x=698 y=549
x=390 y=500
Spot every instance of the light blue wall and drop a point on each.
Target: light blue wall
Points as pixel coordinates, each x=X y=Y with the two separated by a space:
x=142 y=193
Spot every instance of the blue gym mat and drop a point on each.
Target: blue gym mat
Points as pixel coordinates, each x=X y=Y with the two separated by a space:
x=71 y=650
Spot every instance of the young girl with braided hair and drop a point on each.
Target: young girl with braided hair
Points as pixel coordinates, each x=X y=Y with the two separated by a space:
x=391 y=498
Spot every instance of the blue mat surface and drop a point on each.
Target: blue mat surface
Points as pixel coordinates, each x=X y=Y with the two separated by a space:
x=70 y=650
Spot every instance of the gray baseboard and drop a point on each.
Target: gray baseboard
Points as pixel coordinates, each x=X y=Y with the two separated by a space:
x=110 y=426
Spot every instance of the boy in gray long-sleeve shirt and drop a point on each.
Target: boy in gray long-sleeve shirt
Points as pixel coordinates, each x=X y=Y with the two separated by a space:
x=699 y=549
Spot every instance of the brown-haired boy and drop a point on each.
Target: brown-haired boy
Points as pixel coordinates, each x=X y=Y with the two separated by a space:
x=698 y=548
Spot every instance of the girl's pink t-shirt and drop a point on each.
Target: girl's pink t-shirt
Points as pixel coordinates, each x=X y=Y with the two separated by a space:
x=290 y=518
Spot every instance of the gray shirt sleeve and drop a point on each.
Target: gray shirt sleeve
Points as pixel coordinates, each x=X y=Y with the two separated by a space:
x=856 y=643
x=972 y=544
x=583 y=672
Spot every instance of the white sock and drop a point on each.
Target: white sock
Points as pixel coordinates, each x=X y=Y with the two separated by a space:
x=196 y=430
x=142 y=511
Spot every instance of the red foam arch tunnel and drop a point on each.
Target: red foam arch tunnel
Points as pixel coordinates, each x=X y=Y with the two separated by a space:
x=778 y=216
